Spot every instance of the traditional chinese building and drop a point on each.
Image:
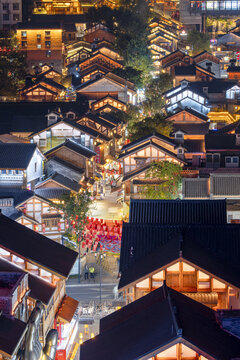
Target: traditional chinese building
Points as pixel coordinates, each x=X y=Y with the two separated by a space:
x=137 y=156
x=186 y=251
x=33 y=211
x=162 y=326
x=48 y=265
x=21 y=165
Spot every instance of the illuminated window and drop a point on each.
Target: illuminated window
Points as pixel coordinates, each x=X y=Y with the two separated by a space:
x=48 y=44
x=168 y=353
x=187 y=267
x=24 y=44
x=174 y=267
x=48 y=53
x=24 y=34
x=47 y=33
x=218 y=284
x=144 y=284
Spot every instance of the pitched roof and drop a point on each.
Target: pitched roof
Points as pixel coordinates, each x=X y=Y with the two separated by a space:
x=146 y=248
x=196 y=188
x=35 y=247
x=19 y=195
x=171 y=212
x=67 y=165
x=15 y=155
x=74 y=146
x=228 y=128
x=12 y=332
x=221 y=142
x=29 y=116
x=192 y=128
x=51 y=193
x=228 y=185
x=149 y=136
x=62 y=180
x=150 y=324
x=190 y=111
x=39 y=289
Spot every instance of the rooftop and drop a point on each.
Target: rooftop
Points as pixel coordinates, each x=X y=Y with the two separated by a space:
x=36 y=248
x=172 y=212
x=155 y=322
x=16 y=155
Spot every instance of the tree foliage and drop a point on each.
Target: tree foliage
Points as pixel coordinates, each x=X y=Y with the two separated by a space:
x=198 y=41
x=154 y=91
x=168 y=180
x=75 y=208
x=129 y=24
x=12 y=65
x=148 y=125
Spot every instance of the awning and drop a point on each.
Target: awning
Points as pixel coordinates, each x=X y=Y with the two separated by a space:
x=67 y=308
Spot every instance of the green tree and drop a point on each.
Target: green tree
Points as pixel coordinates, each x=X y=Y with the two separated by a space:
x=154 y=91
x=167 y=176
x=148 y=125
x=198 y=41
x=129 y=24
x=12 y=65
x=75 y=208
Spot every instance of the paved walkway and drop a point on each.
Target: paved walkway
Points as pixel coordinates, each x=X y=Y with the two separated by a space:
x=106 y=269
x=108 y=208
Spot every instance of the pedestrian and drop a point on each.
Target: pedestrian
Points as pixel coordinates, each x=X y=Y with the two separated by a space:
x=92 y=272
x=86 y=273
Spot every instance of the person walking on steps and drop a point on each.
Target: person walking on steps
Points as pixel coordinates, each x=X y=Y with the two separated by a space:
x=92 y=272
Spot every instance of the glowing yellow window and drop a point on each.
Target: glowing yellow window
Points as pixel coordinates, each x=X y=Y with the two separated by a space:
x=174 y=267
x=168 y=353
x=144 y=284
x=218 y=284
x=187 y=267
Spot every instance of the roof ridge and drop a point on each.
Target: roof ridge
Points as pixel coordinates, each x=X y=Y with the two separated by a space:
x=173 y=309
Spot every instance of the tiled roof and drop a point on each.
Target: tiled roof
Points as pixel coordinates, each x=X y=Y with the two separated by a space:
x=65 y=181
x=172 y=212
x=148 y=247
x=192 y=128
x=52 y=193
x=76 y=147
x=12 y=332
x=15 y=155
x=66 y=164
x=35 y=247
x=39 y=289
x=19 y=195
x=221 y=141
x=228 y=185
x=190 y=111
x=149 y=136
x=154 y=322
x=195 y=188
x=228 y=128
x=29 y=117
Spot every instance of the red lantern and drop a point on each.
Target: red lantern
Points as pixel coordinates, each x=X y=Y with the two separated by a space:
x=43 y=228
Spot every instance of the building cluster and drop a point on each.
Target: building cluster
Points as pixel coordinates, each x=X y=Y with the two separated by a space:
x=179 y=274
x=33 y=272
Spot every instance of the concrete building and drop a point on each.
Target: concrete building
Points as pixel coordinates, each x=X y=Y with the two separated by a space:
x=10 y=13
